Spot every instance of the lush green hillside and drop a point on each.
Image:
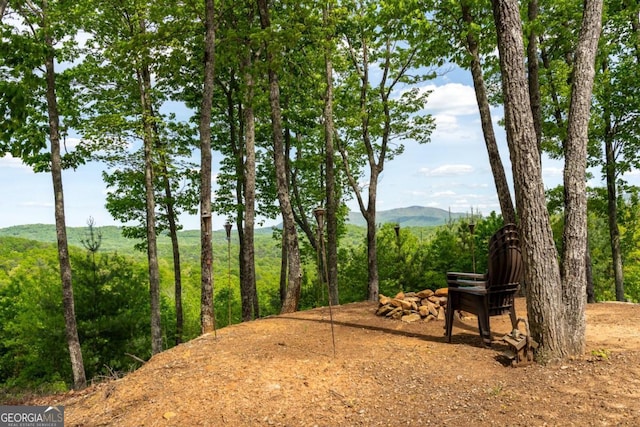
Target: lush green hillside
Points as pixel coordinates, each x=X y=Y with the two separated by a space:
x=418 y=218
x=413 y=216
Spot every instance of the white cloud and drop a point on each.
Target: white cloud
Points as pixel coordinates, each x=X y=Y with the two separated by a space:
x=552 y=172
x=448 y=170
x=443 y=194
x=36 y=204
x=454 y=99
x=12 y=162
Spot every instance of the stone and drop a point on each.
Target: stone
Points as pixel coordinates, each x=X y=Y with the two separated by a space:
x=424 y=294
x=399 y=295
x=383 y=299
x=433 y=310
x=393 y=312
x=406 y=305
x=434 y=299
x=397 y=314
x=168 y=415
x=413 y=317
x=384 y=309
x=442 y=292
x=423 y=310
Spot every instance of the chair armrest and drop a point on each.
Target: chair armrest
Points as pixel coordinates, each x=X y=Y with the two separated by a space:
x=469 y=290
x=456 y=279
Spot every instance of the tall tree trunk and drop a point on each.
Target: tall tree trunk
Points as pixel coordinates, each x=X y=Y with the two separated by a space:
x=542 y=272
x=207 y=320
x=175 y=250
x=574 y=271
x=144 y=85
x=372 y=252
x=533 y=73
x=330 y=179
x=71 y=329
x=294 y=267
x=497 y=168
x=612 y=213
x=248 y=285
x=283 y=268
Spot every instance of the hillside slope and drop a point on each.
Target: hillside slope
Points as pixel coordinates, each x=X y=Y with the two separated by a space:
x=281 y=371
x=413 y=216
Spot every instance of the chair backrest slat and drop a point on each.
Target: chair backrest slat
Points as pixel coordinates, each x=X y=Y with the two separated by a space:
x=505 y=258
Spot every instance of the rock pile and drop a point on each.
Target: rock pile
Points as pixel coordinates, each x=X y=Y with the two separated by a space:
x=425 y=305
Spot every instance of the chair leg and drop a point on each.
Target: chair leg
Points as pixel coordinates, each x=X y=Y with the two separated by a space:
x=449 y=318
x=484 y=328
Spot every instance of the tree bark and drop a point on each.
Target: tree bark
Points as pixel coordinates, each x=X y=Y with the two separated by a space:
x=144 y=85
x=175 y=250
x=207 y=319
x=497 y=168
x=533 y=73
x=292 y=296
x=330 y=178
x=248 y=262
x=542 y=273
x=71 y=328
x=574 y=271
x=612 y=213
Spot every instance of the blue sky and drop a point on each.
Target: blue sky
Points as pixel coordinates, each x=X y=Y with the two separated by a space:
x=450 y=172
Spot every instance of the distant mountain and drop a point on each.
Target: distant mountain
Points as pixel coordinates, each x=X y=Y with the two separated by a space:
x=413 y=216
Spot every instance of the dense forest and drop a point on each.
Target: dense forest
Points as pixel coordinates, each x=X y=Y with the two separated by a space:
x=305 y=103
x=111 y=287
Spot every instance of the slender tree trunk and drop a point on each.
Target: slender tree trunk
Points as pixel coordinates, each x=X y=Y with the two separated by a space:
x=497 y=168
x=330 y=179
x=71 y=329
x=175 y=250
x=574 y=271
x=248 y=262
x=542 y=272
x=294 y=267
x=207 y=319
x=144 y=85
x=612 y=211
x=283 y=268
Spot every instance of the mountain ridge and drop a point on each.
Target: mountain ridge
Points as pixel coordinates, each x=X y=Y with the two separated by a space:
x=411 y=216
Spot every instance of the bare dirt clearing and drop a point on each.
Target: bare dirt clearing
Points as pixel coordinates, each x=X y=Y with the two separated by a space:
x=281 y=371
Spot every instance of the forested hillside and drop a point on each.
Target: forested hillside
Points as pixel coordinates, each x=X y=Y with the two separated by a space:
x=111 y=288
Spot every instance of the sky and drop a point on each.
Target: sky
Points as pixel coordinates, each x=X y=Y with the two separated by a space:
x=451 y=172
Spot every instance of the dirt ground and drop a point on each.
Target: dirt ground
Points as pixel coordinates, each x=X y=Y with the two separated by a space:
x=282 y=371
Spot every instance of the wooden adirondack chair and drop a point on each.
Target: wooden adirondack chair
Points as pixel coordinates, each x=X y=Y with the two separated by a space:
x=489 y=294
